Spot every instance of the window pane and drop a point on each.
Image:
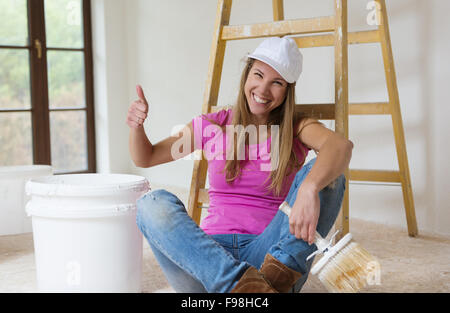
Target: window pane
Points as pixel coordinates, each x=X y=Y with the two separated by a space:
x=68 y=141
x=14 y=79
x=63 y=23
x=15 y=139
x=13 y=23
x=66 y=79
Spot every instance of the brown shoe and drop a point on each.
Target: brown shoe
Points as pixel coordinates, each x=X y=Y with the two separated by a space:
x=253 y=282
x=281 y=277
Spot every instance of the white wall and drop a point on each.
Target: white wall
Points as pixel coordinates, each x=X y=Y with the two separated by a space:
x=165 y=46
x=111 y=63
x=422 y=74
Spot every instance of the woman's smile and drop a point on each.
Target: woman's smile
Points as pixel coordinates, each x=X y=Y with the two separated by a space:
x=260 y=100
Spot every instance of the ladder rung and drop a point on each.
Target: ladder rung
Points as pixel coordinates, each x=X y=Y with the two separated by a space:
x=322 y=111
x=375 y=175
x=325 y=111
x=357 y=175
x=217 y=108
x=279 y=28
x=377 y=108
x=370 y=36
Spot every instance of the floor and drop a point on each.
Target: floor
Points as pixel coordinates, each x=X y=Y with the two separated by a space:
x=420 y=264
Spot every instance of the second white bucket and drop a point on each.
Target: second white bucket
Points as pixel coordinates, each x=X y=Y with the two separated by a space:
x=85 y=233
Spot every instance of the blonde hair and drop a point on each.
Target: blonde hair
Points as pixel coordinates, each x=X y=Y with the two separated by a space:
x=284 y=116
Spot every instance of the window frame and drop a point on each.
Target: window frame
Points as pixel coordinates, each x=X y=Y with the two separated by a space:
x=40 y=112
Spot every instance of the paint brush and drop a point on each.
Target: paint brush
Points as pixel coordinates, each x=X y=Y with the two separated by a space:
x=345 y=267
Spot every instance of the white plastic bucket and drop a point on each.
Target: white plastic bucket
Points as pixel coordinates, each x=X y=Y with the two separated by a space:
x=13 y=219
x=85 y=233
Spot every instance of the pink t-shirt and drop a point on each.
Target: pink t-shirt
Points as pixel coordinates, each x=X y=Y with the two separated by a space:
x=245 y=206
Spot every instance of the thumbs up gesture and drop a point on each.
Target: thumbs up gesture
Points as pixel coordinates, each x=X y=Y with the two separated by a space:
x=137 y=112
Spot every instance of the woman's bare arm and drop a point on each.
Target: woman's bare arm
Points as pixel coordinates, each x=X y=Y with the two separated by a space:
x=144 y=154
x=334 y=153
x=142 y=151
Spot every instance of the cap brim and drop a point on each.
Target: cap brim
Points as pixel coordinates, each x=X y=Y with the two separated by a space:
x=272 y=64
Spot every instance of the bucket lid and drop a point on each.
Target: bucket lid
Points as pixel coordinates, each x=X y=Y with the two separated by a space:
x=84 y=195
x=86 y=185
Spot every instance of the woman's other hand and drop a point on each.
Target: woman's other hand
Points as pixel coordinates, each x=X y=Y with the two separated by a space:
x=305 y=214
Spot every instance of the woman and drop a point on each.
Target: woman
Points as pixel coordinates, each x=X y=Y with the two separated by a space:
x=246 y=244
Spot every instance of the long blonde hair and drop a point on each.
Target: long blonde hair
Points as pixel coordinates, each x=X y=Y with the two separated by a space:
x=284 y=116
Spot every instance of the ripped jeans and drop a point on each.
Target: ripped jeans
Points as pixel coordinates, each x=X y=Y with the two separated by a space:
x=195 y=262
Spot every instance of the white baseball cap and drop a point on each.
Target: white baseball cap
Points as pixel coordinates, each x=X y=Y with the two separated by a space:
x=282 y=54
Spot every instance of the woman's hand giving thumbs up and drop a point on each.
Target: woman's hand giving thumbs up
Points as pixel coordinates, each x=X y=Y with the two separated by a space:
x=137 y=112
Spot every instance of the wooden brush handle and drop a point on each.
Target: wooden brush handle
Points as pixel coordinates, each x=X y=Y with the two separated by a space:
x=320 y=242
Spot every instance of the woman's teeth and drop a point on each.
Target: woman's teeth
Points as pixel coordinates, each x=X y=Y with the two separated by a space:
x=259 y=100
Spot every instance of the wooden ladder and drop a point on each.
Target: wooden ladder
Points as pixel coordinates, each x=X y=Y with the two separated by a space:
x=339 y=37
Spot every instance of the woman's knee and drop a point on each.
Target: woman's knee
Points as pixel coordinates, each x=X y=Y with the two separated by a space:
x=302 y=173
x=330 y=204
x=156 y=209
x=298 y=180
x=338 y=183
x=334 y=192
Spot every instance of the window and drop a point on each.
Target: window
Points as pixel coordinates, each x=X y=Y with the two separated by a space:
x=46 y=85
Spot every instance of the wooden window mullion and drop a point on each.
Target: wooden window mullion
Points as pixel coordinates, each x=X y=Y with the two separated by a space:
x=89 y=84
x=38 y=83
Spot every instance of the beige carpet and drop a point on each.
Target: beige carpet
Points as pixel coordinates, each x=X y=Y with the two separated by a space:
x=420 y=264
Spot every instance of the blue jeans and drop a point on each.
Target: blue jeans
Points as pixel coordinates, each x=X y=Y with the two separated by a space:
x=193 y=261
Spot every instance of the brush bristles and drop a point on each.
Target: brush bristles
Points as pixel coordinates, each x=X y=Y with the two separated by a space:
x=348 y=270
